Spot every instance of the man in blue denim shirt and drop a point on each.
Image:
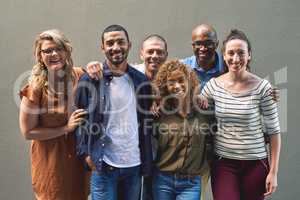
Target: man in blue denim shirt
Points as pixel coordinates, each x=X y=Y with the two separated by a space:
x=115 y=140
x=206 y=61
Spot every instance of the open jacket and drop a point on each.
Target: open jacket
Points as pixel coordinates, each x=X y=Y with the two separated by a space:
x=92 y=95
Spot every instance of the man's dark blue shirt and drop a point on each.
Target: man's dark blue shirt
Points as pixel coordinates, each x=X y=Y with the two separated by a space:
x=92 y=95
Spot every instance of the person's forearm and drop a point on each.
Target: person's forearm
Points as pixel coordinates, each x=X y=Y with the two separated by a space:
x=42 y=133
x=275 y=146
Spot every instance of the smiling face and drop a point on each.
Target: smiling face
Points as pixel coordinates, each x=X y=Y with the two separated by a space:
x=52 y=55
x=177 y=84
x=116 y=47
x=154 y=54
x=204 y=44
x=236 y=55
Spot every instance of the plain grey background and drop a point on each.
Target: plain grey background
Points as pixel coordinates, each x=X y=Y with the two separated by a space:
x=273 y=26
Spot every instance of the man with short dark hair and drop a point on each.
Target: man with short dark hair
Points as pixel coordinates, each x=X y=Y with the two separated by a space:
x=153 y=53
x=119 y=150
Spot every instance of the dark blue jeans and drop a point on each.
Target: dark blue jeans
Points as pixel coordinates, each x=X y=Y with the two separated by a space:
x=170 y=187
x=147 y=189
x=116 y=181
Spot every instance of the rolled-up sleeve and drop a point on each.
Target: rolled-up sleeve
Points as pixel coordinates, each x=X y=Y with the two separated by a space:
x=269 y=112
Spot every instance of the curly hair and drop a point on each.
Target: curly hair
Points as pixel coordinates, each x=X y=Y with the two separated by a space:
x=39 y=73
x=161 y=78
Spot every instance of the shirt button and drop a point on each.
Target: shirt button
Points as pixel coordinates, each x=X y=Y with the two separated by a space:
x=69 y=156
x=100 y=159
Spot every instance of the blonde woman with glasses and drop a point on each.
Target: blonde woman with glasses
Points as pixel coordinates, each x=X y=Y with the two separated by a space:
x=48 y=119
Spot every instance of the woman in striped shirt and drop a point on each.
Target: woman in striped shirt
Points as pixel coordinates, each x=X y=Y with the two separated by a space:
x=243 y=107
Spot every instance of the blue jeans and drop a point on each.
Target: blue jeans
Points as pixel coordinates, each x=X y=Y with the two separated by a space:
x=170 y=187
x=111 y=181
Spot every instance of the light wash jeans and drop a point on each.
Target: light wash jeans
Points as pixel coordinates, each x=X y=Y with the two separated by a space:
x=170 y=187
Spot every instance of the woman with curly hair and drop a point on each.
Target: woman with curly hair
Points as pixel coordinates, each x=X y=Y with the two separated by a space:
x=180 y=131
x=48 y=119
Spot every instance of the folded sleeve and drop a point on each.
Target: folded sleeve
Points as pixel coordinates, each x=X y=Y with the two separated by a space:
x=78 y=72
x=269 y=111
x=31 y=93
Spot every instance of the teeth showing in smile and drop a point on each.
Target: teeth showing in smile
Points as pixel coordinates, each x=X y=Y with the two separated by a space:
x=202 y=54
x=117 y=54
x=179 y=93
x=236 y=66
x=54 y=61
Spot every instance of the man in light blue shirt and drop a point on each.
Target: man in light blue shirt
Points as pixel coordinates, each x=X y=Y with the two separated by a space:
x=206 y=62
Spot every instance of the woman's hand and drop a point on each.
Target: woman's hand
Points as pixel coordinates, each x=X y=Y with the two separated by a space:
x=271 y=180
x=90 y=163
x=95 y=70
x=75 y=119
x=271 y=184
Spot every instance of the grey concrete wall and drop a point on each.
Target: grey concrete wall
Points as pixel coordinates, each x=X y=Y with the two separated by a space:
x=272 y=25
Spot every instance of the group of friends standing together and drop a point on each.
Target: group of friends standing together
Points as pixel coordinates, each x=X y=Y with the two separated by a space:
x=151 y=131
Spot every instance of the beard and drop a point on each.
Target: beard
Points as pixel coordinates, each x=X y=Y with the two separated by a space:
x=117 y=60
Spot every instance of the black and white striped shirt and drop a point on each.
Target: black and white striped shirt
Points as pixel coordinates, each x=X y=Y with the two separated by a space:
x=241 y=118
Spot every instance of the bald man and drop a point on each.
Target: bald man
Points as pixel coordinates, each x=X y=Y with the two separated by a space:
x=153 y=53
x=206 y=61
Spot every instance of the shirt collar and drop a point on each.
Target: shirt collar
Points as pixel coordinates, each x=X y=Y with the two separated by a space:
x=130 y=71
x=216 y=67
x=107 y=73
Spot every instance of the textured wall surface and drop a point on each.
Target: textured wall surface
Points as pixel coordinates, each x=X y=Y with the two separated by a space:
x=273 y=26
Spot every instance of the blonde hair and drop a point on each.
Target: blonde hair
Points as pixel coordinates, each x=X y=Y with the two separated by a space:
x=39 y=73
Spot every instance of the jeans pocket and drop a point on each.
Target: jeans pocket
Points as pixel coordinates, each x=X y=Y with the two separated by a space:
x=195 y=181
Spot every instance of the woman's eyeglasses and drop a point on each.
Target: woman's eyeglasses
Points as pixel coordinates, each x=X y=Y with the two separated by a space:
x=51 y=50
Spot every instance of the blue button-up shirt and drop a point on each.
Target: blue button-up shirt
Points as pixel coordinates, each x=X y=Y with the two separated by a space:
x=203 y=75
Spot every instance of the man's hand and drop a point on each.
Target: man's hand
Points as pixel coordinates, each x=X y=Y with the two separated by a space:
x=95 y=70
x=274 y=93
x=202 y=102
x=155 y=109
